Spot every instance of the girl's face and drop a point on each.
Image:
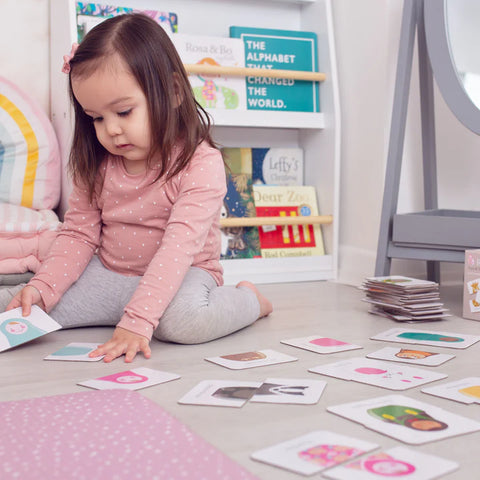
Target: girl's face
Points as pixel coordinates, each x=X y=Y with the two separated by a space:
x=113 y=99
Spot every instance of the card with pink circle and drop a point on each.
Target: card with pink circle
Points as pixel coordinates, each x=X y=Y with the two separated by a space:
x=389 y=375
x=134 y=379
x=397 y=462
x=313 y=452
x=320 y=344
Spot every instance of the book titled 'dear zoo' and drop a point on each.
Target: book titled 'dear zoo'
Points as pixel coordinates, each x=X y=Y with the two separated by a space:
x=288 y=240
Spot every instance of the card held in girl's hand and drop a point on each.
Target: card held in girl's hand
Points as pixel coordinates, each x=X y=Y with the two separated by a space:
x=289 y=390
x=313 y=452
x=259 y=358
x=221 y=393
x=75 y=352
x=397 y=462
x=466 y=390
x=406 y=419
x=417 y=356
x=134 y=379
x=427 y=337
x=16 y=329
x=319 y=344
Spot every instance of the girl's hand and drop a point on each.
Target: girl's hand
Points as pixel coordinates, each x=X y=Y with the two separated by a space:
x=25 y=298
x=123 y=342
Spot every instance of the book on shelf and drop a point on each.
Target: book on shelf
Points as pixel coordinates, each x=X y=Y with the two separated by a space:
x=239 y=242
x=277 y=166
x=288 y=240
x=214 y=91
x=91 y=14
x=281 y=50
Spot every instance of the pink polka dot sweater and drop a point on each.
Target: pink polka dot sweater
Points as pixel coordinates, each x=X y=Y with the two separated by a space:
x=153 y=230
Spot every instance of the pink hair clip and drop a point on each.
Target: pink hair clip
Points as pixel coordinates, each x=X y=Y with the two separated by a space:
x=67 y=58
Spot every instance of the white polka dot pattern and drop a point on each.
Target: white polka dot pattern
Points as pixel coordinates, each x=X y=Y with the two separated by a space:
x=142 y=228
x=111 y=434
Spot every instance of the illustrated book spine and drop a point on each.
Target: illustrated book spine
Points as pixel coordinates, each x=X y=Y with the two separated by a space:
x=239 y=242
x=288 y=240
x=282 y=50
x=214 y=91
x=91 y=14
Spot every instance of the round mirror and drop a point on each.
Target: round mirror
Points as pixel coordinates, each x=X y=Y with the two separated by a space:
x=451 y=28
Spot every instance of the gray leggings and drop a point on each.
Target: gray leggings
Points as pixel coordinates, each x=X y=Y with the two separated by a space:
x=200 y=311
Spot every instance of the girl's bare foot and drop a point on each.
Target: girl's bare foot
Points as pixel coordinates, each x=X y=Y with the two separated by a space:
x=265 y=305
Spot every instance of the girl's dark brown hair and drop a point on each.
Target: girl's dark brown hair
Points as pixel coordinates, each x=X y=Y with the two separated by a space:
x=175 y=116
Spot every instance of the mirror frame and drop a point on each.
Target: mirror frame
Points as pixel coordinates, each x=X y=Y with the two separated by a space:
x=443 y=66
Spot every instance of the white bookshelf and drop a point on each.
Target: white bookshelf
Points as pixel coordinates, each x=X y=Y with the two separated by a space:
x=317 y=133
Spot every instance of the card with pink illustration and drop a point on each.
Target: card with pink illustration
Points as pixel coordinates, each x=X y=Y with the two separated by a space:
x=466 y=390
x=427 y=337
x=397 y=462
x=406 y=419
x=75 y=352
x=289 y=390
x=319 y=344
x=258 y=358
x=16 y=329
x=415 y=356
x=313 y=452
x=378 y=373
x=220 y=393
x=134 y=379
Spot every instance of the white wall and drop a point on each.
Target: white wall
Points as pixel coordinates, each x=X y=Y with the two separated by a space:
x=367 y=35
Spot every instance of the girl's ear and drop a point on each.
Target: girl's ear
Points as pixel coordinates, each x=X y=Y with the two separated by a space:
x=178 y=98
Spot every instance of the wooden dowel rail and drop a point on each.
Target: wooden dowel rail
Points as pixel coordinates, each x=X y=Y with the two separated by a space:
x=200 y=69
x=260 y=221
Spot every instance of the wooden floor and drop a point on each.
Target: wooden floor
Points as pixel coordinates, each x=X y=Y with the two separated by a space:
x=301 y=309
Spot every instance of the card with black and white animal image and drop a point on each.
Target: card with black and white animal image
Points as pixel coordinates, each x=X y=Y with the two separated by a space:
x=289 y=390
x=414 y=356
x=427 y=337
x=319 y=344
x=313 y=452
x=378 y=373
x=466 y=390
x=406 y=419
x=397 y=462
x=259 y=358
x=221 y=393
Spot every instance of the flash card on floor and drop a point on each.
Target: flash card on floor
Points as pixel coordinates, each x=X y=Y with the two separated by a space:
x=222 y=393
x=75 y=352
x=416 y=356
x=314 y=452
x=406 y=419
x=379 y=373
x=426 y=337
x=134 y=379
x=16 y=329
x=397 y=462
x=466 y=390
x=318 y=344
x=259 y=358
x=289 y=390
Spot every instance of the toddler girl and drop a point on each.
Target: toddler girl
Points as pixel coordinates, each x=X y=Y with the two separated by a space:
x=140 y=244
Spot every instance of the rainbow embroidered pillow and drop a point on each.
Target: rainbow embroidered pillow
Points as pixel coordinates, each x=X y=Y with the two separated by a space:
x=30 y=165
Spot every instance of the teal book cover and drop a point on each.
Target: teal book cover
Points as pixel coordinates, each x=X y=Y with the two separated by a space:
x=281 y=50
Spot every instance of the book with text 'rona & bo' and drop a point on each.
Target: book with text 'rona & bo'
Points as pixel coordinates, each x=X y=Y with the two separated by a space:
x=280 y=50
x=214 y=91
x=288 y=240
